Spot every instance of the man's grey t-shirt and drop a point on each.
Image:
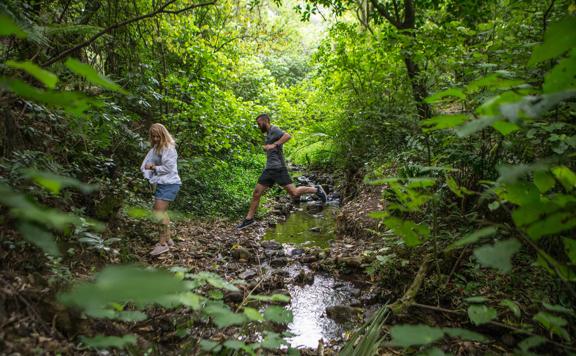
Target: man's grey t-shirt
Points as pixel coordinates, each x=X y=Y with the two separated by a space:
x=275 y=156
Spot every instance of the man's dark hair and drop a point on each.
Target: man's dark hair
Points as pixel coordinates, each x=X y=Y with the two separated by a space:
x=263 y=116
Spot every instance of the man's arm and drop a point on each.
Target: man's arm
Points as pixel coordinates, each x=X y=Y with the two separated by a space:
x=284 y=138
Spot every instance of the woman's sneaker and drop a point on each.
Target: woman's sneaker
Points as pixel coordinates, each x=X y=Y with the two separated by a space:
x=160 y=249
x=245 y=223
x=321 y=193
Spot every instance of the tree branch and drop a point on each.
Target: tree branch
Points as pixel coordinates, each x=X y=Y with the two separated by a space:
x=160 y=10
x=383 y=11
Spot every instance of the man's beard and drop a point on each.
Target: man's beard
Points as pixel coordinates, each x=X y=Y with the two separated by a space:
x=263 y=128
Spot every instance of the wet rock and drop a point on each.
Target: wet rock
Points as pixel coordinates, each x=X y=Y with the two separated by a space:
x=309 y=259
x=279 y=262
x=315 y=229
x=352 y=261
x=342 y=313
x=249 y=273
x=271 y=245
x=314 y=208
x=297 y=252
x=241 y=253
x=304 y=277
x=281 y=273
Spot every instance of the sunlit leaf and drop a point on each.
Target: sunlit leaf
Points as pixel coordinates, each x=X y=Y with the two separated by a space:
x=253 y=314
x=558 y=309
x=223 y=317
x=443 y=122
x=8 y=27
x=210 y=346
x=544 y=181
x=92 y=75
x=570 y=248
x=481 y=314
x=498 y=255
x=562 y=77
x=473 y=237
x=512 y=306
x=412 y=233
x=278 y=314
x=49 y=79
x=452 y=92
x=411 y=335
x=554 y=324
x=558 y=39
x=565 y=176
x=505 y=127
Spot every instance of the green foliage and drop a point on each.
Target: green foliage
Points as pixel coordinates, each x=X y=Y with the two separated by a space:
x=498 y=255
x=47 y=78
x=92 y=75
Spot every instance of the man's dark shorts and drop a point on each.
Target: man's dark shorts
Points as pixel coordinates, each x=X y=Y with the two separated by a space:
x=275 y=175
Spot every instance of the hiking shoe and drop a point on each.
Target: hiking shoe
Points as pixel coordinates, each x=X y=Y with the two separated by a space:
x=245 y=223
x=159 y=249
x=170 y=242
x=321 y=193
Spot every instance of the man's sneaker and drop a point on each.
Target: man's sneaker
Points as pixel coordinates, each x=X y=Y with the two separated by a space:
x=321 y=193
x=245 y=223
x=159 y=249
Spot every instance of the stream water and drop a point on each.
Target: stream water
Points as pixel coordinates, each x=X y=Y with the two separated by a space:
x=309 y=227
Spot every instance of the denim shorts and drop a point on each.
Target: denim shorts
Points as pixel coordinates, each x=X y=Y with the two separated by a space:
x=166 y=192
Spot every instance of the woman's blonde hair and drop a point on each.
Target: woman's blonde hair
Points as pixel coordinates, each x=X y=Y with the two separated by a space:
x=166 y=139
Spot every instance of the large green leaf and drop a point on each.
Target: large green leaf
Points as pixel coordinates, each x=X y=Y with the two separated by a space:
x=272 y=341
x=411 y=335
x=443 y=122
x=9 y=27
x=49 y=79
x=54 y=182
x=565 y=176
x=121 y=284
x=554 y=324
x=473 y=237
x=39 y=237
x=562 y=77
x=215 y=280
x=278 y=314
x=498 y=255
x=481 y=314
x=412 y=233
x=74 y=103
x=512 y=306
x=544 y=181
x=558 y=39
x=451 y=92
x=223 y=317
x=103 y=342
x=253 y=314
x=92 y=75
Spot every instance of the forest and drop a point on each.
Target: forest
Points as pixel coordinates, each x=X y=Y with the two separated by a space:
x=442 y=132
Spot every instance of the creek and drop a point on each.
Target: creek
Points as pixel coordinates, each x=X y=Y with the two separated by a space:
x=312 y=225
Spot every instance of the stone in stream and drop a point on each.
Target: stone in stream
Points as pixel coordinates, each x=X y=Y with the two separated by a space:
x=297 y=252
x=304 y=277
x=271 y=245
x=314 y=208
x=342 y=313
x=279 y=262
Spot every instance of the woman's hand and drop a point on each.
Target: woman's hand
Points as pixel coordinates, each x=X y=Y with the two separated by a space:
x=149 y=166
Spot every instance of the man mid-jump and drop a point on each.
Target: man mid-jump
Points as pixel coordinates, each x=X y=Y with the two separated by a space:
x=275 y=170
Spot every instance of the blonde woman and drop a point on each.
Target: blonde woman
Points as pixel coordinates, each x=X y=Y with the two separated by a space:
x=160 y=168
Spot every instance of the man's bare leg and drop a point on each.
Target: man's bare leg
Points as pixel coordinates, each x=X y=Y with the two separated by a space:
x=256 y=195
x=297 y=192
